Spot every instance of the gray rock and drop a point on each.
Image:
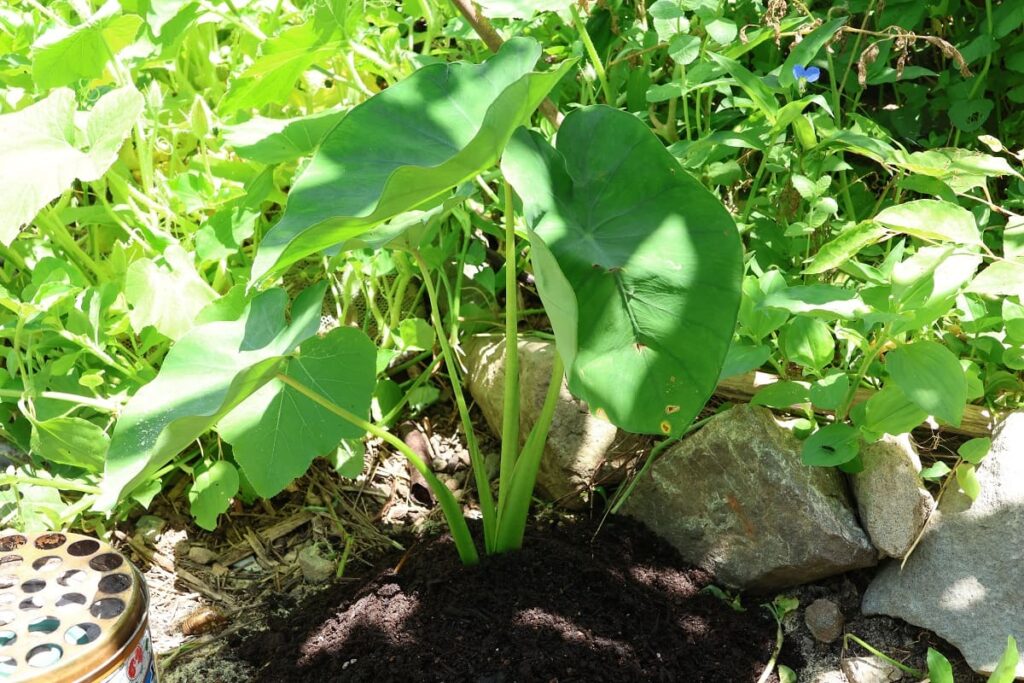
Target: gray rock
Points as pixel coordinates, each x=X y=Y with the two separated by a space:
x=315 y=567
x=869 y=670
x=965 y=580
x=824 y=620
x=582 y=449
x=736 y=499
x=201 y=555
x=893 y=504
x=830 y=677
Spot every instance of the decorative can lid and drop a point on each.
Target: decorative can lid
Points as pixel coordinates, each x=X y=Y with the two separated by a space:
x=68 y=606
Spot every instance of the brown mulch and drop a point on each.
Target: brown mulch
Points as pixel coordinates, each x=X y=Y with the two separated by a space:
x=622 y=607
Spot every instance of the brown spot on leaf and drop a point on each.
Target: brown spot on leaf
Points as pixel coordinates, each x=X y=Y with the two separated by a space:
x=666 y=428
x=669 y=410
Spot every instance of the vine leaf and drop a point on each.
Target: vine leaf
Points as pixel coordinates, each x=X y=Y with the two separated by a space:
x=209 y=371
x=42 y=150
x=931 y=377
x=637 y=264
x=405 y=147
x=211 y=493
x=277 y=432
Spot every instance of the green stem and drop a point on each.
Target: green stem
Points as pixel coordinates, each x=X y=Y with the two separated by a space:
x=450 y=506
x=8 y=254
x=510 y=414
x=98 y=403
x=512 y=518
x=407 y=392
x=902 y=667
x=51 y=225
x=55 y=483
x=623 y=495
x=609 y=96
x=483 y=485
x=865 y=365
x=779 y=640
x=686 y=106
x=984 y=69
x=754 y=187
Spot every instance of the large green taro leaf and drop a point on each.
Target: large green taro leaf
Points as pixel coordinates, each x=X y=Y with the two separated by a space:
x=638 y=266
x=209 y=371
x=405 y=147
x=277 y=432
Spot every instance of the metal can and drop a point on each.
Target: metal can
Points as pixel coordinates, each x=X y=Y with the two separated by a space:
x=72 y=610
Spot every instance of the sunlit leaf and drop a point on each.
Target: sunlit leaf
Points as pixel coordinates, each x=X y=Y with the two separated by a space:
x=48 y=145
x=405 y=148
x=277 y=432
x=211 y=493
x=209 y=371
x=637 y=264
x=831 y=445
x=65 y=54
x=931 y=219
x=931 y=377
x=166 y=293
x=273 y=141
x=939 y=668
x=70 y=441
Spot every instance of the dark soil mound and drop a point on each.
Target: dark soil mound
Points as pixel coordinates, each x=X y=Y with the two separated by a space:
x=622 y=608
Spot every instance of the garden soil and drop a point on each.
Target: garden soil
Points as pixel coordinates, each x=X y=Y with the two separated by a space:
x=571 y=606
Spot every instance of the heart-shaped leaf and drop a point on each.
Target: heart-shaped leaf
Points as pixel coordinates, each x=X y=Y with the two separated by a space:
x=637 y=264
x=405 y=147
x=277 y=432
x=209 y=371
x=46 y=146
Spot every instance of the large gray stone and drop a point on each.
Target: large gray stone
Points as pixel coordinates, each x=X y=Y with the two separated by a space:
x=736 y=499
x=582 y=449
x=893 y=504
x=965 y=580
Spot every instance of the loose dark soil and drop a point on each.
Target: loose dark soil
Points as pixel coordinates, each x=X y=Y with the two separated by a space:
x=621 y=608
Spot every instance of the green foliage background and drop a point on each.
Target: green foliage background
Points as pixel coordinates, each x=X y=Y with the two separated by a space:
x=148 y=149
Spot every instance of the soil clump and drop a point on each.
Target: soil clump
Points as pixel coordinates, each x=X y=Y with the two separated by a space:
x=571 y=606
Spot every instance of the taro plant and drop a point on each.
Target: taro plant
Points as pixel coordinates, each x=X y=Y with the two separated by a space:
x=638 y=267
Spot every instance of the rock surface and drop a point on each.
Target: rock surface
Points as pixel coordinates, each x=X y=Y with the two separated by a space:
x=582 y=450
x=824 y=620
x=965 y=580
x=736 y=499
x=869 y=670
x=893 y=504
x=315 y=567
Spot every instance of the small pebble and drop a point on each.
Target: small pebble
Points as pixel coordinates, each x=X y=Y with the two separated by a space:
x=201 y=555
x=869 y=670
x=830 y=677
x=315 y=567
x=824 y=620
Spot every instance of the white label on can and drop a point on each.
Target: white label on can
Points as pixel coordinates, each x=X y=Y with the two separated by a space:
x=139 y=667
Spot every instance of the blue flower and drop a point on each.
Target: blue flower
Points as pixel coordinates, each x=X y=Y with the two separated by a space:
x=810 y=73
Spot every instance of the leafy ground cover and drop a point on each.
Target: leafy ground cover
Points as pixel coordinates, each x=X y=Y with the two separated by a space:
x=241 y=236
